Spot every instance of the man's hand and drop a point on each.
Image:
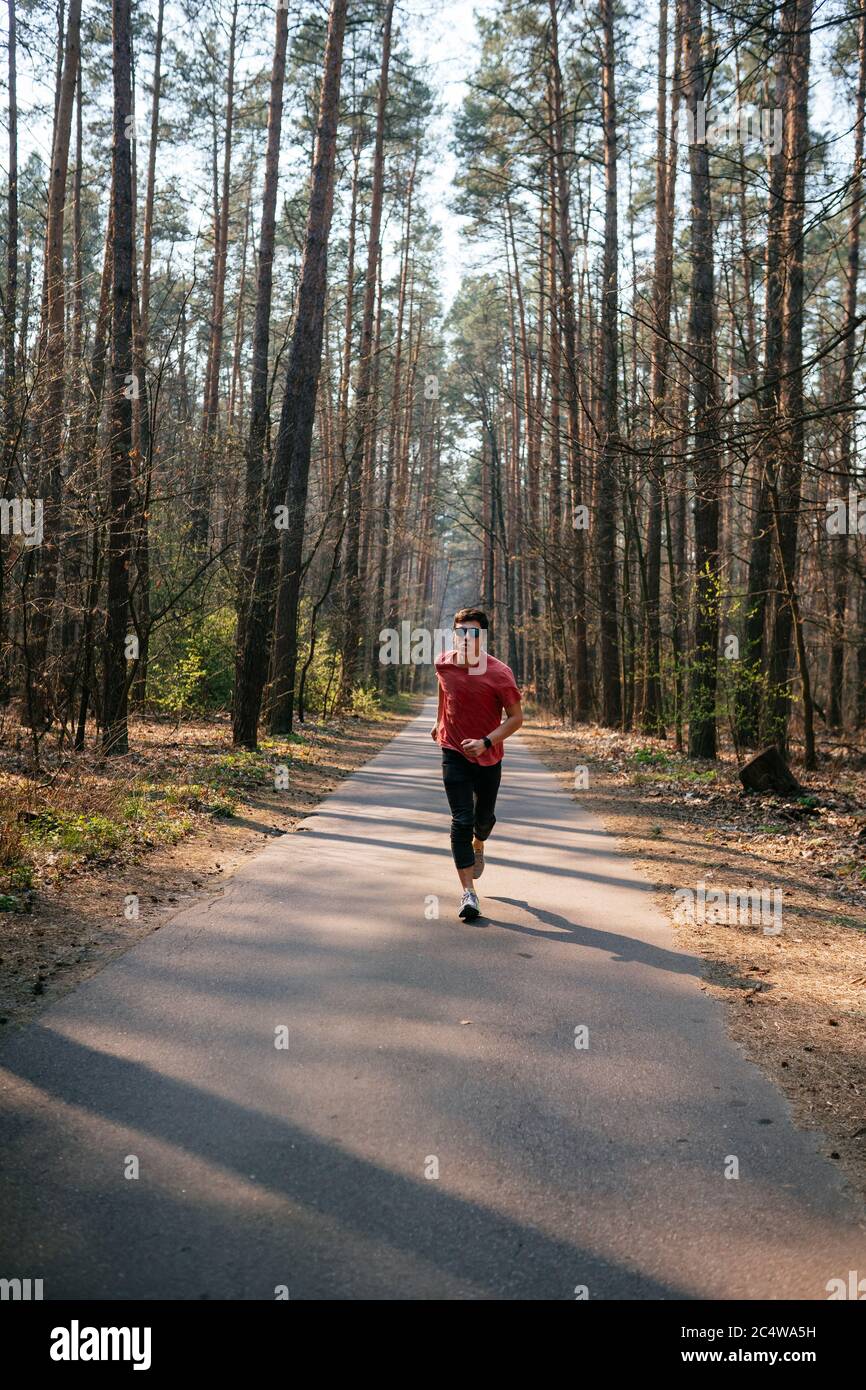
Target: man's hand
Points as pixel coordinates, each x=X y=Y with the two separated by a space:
x=434 y=731
x=472 y=747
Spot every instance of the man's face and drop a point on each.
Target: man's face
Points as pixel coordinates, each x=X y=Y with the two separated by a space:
x=467 y=642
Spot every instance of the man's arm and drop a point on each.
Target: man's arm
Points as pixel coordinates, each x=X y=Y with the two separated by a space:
x=509 y=725
x=474 y=747
x=434 y=731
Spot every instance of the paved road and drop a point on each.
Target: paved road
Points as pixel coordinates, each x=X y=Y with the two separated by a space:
x=413 y=1041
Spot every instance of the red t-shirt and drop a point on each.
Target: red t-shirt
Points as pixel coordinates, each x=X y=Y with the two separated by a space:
x=473 y=703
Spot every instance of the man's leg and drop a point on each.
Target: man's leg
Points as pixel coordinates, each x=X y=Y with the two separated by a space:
x=457 y=776
x=485 y=788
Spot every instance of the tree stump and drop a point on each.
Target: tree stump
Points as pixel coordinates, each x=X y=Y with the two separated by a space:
x=768 y=772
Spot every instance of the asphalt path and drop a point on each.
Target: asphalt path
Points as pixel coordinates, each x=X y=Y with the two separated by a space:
x=330 y=1085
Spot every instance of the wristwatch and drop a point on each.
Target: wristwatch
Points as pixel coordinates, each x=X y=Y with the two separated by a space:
x=488 y=743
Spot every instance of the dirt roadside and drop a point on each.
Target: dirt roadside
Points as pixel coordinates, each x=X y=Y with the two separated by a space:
x=796 y=1001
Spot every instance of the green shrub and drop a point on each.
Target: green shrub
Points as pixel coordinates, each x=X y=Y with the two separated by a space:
x=191 y=672
x=89 y=836
x=241 y=768
x=326 y=669
x=214 y=644
x=648 y=755
x=365 y=701
x=173 y=687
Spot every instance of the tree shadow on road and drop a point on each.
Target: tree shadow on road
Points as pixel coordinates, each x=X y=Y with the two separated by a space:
x=619 y=947
x=326 y=1221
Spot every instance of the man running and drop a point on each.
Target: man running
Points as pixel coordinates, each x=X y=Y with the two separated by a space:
x=474 y=688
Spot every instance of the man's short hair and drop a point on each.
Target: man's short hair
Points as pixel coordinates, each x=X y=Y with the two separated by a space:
x=477 y=615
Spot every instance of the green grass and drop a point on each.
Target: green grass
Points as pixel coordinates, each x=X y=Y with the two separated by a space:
x=152 y=812
x=672 y=776
x=77 y=836
x=646 y=756
x=850 y=867
x=18 y=878
x=11 y=902
x=95 y=822
x=87 y=835
x=401 y=703
x=670 y=767
x=244 y=767
x=369 y=702
x=848 y=922
x=195 y=796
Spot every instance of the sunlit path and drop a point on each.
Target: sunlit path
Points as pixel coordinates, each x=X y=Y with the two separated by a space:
x=429 y=1130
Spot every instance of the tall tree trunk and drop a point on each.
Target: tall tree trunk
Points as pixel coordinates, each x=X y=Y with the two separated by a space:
x=253 y=513
x=202 y=501
x=750 y=694
x=10 y=310
x=236 y=390
x=569 y=346
x=291 y=455
x=75 y=541
x=120 y=524
x=147 y=239
x=653 y=721
x=611 y=707
x=363 y=422
x=552 y=556
x=846 y=395
x=141 y=405
x=702 y=694
x=786 y=503
x=392 y=515
x=51 y=413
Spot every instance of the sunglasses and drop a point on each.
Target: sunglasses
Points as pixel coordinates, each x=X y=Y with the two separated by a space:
x=467 y=632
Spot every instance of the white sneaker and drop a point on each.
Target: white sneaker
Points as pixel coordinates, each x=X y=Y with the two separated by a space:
x=469 y=908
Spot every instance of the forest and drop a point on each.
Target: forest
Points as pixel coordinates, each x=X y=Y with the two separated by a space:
x=332 y=332
x=247 y=425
